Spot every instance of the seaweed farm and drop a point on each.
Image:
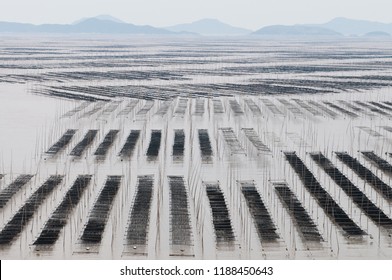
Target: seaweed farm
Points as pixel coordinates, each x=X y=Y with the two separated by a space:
x=195 y=148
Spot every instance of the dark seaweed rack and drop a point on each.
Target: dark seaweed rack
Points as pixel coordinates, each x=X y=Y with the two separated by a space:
x=110 y=108
x=146 y=108
x=140 y=214
x=291 y=107
x=14 y=187
x=180 y=224
x=265 y=227
x=369 y=131
x=15 y=226
x=199 y=107
x=77 y=109
x=359 y=198
x=379 y=105
x=99 y=214
x=308 y=108
x=387 y=128
x=232 y=141
x=251 y=134
x=164 y=108
x=381 y=163
x=78 y=150
x=130 y=144
x=107 y=142
x=253 y=107
x=235 y=107
x=97 y=107
x=181 y=107
x=179 y=143
x=220 y=215
x=271 y=106
x=128 y=108
x=373 y=109
x=365 y=174
x=306 y=227
x=205 y=145
x=218 y=107
x=75 y=96
x=155 y=144
x=59 y=217
x=322 y=197
x=326 y=110
x=340 y=109
x=62 y=142
x=355 y=108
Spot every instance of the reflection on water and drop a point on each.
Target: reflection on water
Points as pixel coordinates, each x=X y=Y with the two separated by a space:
x=158 y=154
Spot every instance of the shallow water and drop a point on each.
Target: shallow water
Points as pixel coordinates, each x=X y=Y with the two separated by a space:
x=31 y=123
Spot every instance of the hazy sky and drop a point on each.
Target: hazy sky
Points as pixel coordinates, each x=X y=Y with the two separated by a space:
x=251 y=14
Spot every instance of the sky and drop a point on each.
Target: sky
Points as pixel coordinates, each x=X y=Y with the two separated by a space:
x=251 y=14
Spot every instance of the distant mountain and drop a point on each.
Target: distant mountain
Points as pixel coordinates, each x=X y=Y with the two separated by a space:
x=295 y=30
x=209 y=27
x=90 y=25
x=16 y=27
x=336 y=27
x=347 y=26
x=377 y=34
x=106 y=24
x=94 y=25
x=101 y=17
